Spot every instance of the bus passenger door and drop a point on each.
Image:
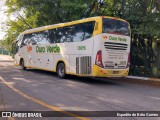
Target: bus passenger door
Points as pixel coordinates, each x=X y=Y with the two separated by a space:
x=35 y=59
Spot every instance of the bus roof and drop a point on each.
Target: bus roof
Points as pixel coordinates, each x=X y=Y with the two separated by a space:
x=38 y=29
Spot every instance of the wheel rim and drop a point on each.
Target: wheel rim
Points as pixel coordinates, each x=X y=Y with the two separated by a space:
x=61 y=70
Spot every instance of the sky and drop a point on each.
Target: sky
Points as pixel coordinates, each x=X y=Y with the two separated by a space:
x=3 y=18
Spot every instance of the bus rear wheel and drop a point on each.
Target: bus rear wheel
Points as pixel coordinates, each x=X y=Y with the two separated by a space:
x=22 y=65
x=61 y=72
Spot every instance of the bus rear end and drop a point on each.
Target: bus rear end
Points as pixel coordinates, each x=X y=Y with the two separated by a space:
x=113 y=57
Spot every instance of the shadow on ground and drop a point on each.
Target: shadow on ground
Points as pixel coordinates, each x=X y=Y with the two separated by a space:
x=87 y=80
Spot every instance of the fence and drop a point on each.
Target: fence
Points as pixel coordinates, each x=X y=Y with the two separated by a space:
x=144 y=57
x=4 y=52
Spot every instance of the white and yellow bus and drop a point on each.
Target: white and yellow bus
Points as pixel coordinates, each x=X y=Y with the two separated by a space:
x=95 y=47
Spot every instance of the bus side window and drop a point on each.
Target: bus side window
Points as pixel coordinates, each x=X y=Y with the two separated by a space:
x=64 y=36
x=26 y=39
x=69 y=33
x=34 y=39
x=79 y=32
x=52 y=36
x=41 y=38
x=19 y=39
x=15 y=47
x=89 y=28
x=31 y=39
x=59 y=35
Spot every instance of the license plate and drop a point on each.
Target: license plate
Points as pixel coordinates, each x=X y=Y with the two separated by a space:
x=115 y=72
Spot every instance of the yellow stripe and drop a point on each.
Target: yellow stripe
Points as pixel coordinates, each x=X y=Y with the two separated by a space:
x=38 y=29
x=11 y=118
x=41 y=102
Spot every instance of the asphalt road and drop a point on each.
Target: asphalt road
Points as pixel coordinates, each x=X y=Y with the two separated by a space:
x=36 y=90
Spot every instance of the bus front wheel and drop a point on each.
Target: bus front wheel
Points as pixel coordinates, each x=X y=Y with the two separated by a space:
x=61 y=72
x=22 y=65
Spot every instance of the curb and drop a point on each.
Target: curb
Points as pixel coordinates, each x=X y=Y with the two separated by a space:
x=143 y=78
x=155 y=82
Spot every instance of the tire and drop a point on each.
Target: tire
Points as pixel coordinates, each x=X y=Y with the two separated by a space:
x=22 y=65
x=61 y=72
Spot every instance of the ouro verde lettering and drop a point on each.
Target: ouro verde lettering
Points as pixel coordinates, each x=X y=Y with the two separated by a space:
x=81 y=47
x=40 y=49
x=117 y=39
x=112 y=38
x=48 y=49
x=51 y=49
x=122 y=39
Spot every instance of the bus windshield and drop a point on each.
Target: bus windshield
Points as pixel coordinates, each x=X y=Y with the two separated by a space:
x=113 y=26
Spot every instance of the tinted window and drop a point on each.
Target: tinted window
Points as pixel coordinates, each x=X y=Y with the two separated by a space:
x=79 y=32
x=73 y=33
x=115 y=27
x=89 y=28
x=40 y=38
x=36 y=38
x=59 y=36
x=19 y=40
x=27 y=39
x=15 y=47
x=52 y=35
x=20 y=37
x=69 y=33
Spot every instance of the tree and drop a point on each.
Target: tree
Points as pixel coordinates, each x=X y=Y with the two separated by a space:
x=143 y=16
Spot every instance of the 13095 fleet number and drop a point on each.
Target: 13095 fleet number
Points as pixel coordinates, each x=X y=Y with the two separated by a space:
x=81 y=47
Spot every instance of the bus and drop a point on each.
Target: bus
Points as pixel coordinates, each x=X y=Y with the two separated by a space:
x=92 y=47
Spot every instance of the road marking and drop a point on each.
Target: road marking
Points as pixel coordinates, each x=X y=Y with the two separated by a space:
x=41 y=102
x=11 y=118
x=136 y=77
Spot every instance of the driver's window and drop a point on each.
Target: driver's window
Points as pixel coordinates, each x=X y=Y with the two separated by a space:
x=19 y=39
x=15 y=47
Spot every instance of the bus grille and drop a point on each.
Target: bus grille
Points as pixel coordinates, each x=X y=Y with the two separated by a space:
x=115 y=46
x=83 y=65
x=77 y=65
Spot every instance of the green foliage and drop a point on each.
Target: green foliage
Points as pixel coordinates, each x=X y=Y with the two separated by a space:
x=143 y=15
